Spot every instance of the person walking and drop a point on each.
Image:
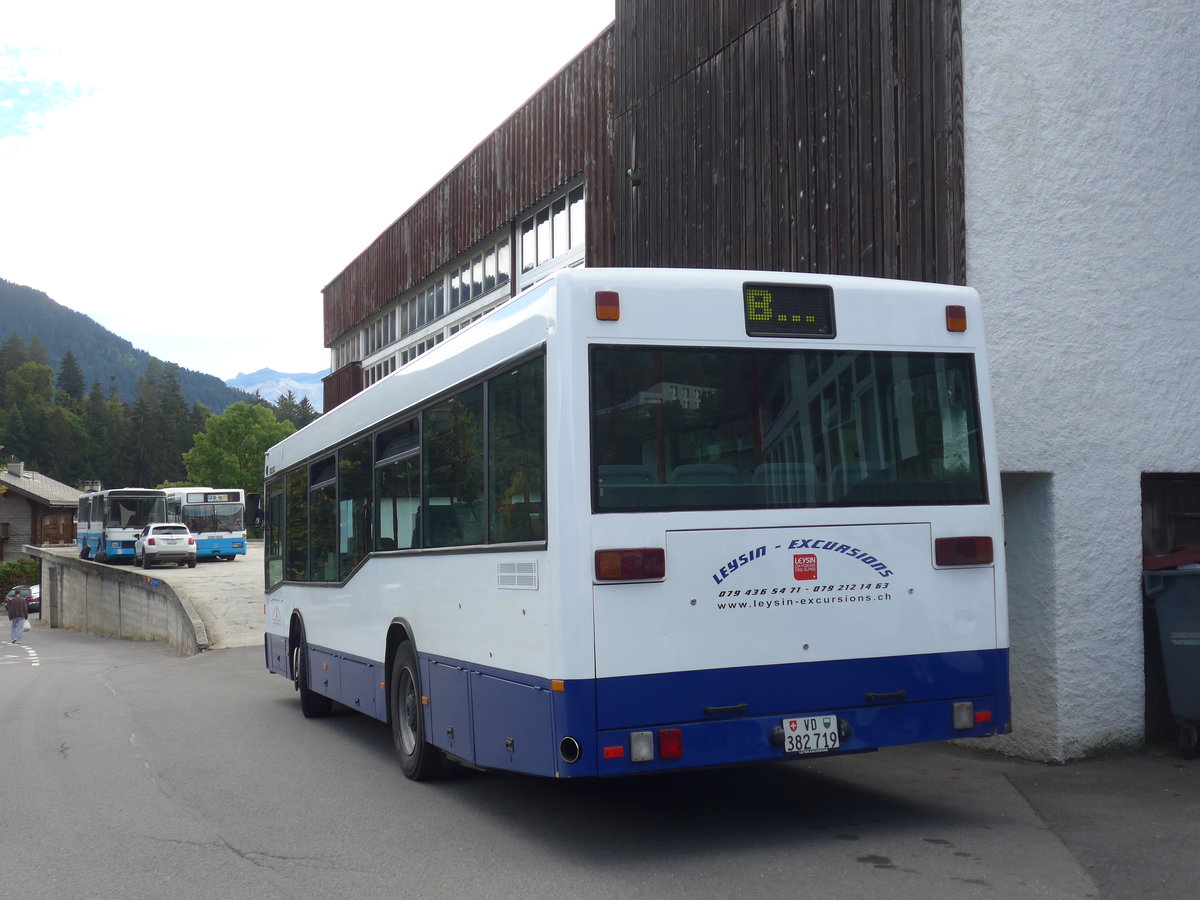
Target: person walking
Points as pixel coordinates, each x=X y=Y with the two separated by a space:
x=18 y=614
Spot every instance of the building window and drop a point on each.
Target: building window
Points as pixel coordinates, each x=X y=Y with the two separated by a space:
x=552 y=237
x=381 y=369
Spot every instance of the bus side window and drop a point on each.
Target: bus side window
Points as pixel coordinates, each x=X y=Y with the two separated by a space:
x=453 y=469
x=398 y=486
x=295 y=542
x=517 y=447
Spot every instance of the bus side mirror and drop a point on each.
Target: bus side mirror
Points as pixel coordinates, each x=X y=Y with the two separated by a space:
x=254 y=514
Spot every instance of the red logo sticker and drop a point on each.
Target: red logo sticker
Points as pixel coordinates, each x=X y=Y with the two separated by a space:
x=804 y=567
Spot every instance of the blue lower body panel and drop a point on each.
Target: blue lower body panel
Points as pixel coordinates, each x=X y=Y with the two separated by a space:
x=568 y=729
x=114 y=551
x=505 y=720
x=211 y=548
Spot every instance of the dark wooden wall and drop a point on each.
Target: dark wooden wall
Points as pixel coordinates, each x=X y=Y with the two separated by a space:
x=563 y=131
x=802 y=135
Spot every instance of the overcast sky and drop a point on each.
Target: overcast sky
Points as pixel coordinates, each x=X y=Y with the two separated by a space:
x=191 y=175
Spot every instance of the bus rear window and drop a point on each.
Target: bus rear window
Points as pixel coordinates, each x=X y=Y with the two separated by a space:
x=682 y=429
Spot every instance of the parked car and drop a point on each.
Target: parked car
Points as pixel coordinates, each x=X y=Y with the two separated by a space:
x=31 y=593
x=161 y=542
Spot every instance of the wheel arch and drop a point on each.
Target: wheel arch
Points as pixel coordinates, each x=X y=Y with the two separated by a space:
x=295 y=636
x=399 y=631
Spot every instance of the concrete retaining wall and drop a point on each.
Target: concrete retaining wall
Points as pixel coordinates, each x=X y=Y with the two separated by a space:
x=81 y=595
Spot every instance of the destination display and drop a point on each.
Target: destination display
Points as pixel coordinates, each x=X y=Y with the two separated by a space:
x=791 y=310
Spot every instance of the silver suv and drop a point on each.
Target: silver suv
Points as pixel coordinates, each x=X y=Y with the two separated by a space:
x=161 y=542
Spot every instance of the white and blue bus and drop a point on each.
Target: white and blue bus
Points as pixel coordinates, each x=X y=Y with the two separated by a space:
x=646 y=520
x=218 y=518
x=109 y=521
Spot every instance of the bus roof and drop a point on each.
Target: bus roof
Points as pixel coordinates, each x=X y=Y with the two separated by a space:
x=872 y=312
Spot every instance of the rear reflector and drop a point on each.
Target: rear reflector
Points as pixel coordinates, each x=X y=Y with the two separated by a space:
x=608 y=306
x=631 y=565
x=956 y=318
x=963 y=551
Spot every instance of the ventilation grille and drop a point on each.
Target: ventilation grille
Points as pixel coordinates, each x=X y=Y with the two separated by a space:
x=517 y=576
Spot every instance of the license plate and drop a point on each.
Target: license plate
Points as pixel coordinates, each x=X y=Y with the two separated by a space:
x=171 y=541
x=811 y=734
x=236 y=544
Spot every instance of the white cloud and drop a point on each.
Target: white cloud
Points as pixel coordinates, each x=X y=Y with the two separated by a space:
x=219 y=164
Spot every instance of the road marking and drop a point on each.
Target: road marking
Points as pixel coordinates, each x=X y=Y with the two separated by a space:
x=12 y=657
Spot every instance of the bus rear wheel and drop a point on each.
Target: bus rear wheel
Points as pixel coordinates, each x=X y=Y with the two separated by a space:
x=419 y=759
x=312 y=704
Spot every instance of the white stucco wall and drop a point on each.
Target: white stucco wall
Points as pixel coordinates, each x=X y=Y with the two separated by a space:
x=1083 y=237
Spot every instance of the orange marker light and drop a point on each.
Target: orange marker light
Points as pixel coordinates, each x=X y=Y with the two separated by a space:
x=956 y=318
x=608 y=306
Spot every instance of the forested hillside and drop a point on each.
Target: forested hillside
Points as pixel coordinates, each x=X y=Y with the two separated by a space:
x=57 y=426
x=101 y=355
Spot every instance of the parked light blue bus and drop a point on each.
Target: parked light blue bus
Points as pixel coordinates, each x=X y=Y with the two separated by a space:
x=109 y=521
x=216 y=516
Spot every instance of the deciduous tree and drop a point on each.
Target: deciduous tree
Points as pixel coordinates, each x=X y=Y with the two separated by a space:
x=229 y=451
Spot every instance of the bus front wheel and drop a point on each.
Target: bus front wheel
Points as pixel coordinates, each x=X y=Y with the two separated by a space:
x=419 y=759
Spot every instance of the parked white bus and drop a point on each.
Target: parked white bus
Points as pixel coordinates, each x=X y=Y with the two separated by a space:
x=644 y=520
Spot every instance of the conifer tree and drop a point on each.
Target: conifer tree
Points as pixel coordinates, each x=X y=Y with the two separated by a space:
x=16 y=436
x=70 y=377
x=38 y=352
x=176 y=424
x=13 y=353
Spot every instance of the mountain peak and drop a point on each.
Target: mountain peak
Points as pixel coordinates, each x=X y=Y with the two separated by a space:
x=271 y=385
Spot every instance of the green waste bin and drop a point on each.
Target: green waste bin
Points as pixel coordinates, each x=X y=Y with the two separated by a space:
x=1176 y=596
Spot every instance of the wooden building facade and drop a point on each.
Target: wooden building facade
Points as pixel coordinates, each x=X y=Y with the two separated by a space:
x=34 y=509
x=797 y=135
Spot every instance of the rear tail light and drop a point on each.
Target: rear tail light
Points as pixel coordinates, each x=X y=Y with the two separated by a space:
x=670 y=744
x=963 y=551
x=641 y=564
x=150 y=541
x=191 y=541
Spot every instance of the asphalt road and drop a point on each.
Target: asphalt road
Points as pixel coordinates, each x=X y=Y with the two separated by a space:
x=132 y=772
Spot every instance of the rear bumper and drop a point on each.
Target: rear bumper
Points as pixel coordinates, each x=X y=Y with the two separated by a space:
x=882 y=702
x=170 y=556
x=209 y=548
